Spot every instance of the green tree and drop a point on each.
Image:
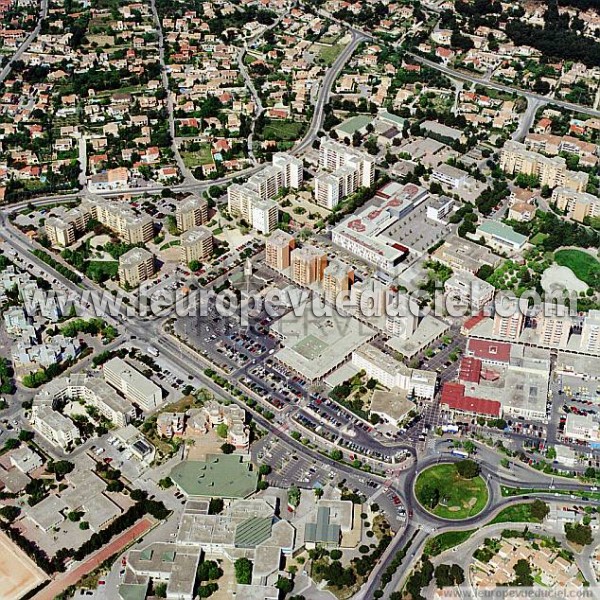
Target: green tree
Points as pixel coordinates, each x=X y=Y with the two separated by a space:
x=222 y=430
x=578 y=533
x=243 y=571
x=10 y=513
x=539 y=510
x=468 y=469
x=227 y=448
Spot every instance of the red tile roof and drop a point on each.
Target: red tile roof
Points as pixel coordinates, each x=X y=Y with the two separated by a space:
x=470 y=370
x=489 y=350
x=453 y=396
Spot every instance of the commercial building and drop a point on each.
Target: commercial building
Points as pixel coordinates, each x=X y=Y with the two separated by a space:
x=343 y=171
x=501 y=236
x=463 y=255
x=553 y=172
x=278 y=248
x=577 y=205
x=449 y=176
x=122 y=220
x=337 y=278
x=196 y=244
x=191 y=213
x=583 y=428
x=135 y=266
x=439 y=207
x=63 y=230
x=308 y=264
x=132 y=384
x=469 y=290
x=590 y=332
x=394 y=374
x=366 y=233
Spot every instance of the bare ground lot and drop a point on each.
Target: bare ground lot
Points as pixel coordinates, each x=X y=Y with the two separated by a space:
x=18 y=573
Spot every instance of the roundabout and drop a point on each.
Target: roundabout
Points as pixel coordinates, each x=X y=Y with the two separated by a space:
x=451 y=491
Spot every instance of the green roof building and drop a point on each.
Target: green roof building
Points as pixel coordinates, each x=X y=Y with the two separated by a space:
x=323 y=532
x=219 y=476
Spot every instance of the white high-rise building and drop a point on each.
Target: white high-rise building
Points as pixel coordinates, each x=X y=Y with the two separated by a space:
x=285 y=172
x=344 y=171
x=590 y=332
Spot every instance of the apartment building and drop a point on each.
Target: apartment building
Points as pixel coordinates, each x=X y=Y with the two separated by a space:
x=337 y=278
x=553 y=327
x=308 y=264
x=553 y=172
x=469 y=290
x=191 y=213
x=56 y=428
x=265 y=214
x=253 y=200
x=132 y=384
x=590 y=332
x=577 y=205
x=555 y=144
x=122 y=220
x=63 y=230
x=278 y=249
x=135 y=266
x=344 y=170
x=196 y=244
x=368 y=297
x=508 y=321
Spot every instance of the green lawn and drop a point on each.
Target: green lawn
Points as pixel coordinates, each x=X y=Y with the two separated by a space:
x=584 y=265
x=459 y=498
x=445 y=541
x=328 y=54
x=519 y=513
x=283 y=131
x=538 y=238
x=195 y=159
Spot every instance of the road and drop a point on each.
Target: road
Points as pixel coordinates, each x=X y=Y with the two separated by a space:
x=26 y=42
x=504 y=88
x=188 y=177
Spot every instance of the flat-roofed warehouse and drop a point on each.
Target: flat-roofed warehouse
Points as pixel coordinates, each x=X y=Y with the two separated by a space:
x=315 y=345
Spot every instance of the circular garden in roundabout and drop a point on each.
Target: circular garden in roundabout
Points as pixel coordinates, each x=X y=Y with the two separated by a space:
x=452 y=490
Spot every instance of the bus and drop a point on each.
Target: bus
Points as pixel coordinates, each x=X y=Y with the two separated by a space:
x=458 y=452
x=153 y=351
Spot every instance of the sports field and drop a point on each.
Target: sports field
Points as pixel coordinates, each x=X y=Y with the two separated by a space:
x=18 y=573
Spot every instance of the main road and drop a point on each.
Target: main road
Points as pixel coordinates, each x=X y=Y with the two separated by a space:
x=26 y=42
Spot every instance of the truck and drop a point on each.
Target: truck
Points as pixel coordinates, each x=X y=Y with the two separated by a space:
x=459 y=452
x=153 y=351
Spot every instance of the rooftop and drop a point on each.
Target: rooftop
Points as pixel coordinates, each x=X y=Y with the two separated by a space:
x=221 y=476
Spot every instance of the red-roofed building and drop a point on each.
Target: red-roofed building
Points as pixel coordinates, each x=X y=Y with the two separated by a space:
x=471 y=323
x=470 y=370
x=489 y=352
x=453 y=398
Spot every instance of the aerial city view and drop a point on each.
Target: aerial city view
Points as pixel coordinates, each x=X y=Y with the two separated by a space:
x=299 y=299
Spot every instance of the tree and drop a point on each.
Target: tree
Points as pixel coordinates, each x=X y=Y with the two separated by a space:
x=74 y=516
x=443 y=577
x=430 y=495
x=165 y=483
x=243 y=571
x=215 y=506
x=578 y=533
x=294 y=496
x=468 y=469
x=227 y=448
x=264 y=469
x=539 y=510
x=84 y=525
x=458 y=575
x=60 y=467
x=25 y=436
x=335 y=554
x=522 y=571
x=285 y=584
x=11 y=443
x=336 y=454
x=160 y=590
x=10 y=513
x=222 y=430
x=138 y=495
